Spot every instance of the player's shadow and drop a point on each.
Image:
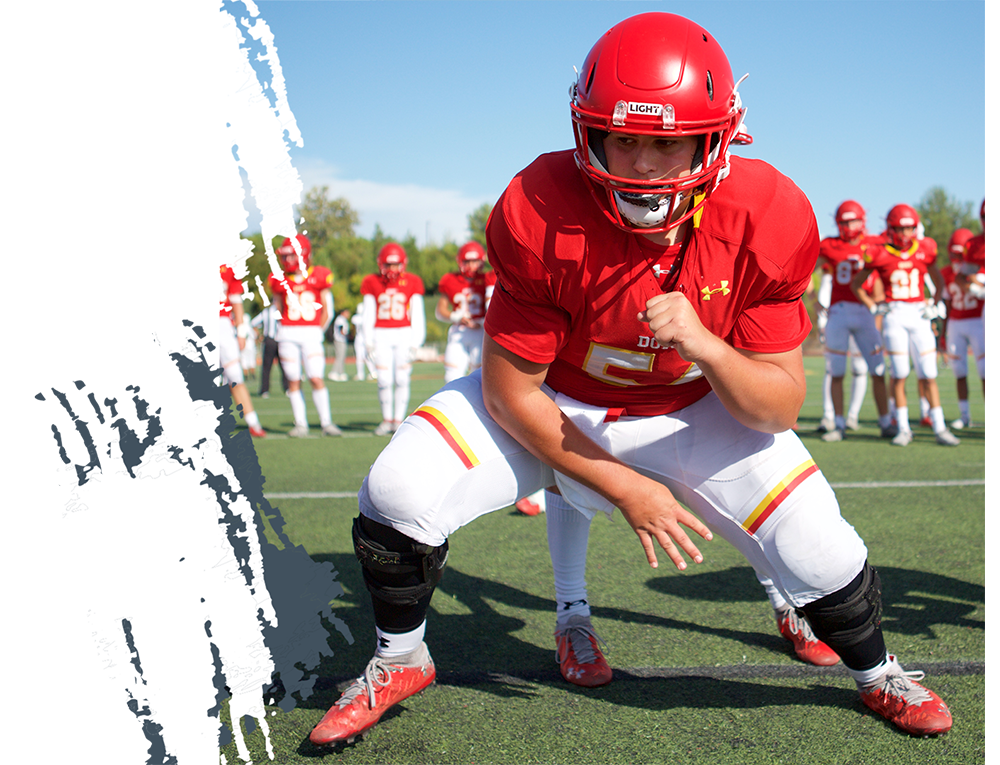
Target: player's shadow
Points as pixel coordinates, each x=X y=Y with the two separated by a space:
x=475 y=645
x=913 y=602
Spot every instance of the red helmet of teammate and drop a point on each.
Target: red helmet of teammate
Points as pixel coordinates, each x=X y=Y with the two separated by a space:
x=901 y=216
x=846 y=215
x=956 y=245
x=292 y=261
x=471 y=257
x=661 y=75
x=391 y=254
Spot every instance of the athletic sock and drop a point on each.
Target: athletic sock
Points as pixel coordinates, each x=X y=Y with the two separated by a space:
x=321 y=400
x=298 y=401
x=390 y=645
x=568 y=532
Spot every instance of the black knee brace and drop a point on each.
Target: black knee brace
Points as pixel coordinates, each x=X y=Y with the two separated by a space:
x=397 y=570
x=850 y=620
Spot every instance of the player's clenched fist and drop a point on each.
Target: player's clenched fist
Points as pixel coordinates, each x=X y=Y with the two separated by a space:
x=674 y=324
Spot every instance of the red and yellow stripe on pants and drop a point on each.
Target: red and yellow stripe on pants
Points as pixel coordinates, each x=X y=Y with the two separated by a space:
x=777 y=495
x=450 y=434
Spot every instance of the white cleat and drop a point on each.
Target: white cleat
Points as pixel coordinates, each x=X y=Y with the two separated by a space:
x=947 y=438
x=299 y=431
x=386 y=428
x=833 y=435
x=332 y=430
x=961 y=423
x=903 y=438
x=853 y=424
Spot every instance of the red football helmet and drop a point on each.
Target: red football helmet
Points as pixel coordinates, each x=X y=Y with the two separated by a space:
x=391 y=254
x=471 y=257
x=956 y=245
x=901 y=216
x=292 y=261
x=846 y=215
x=661 y=75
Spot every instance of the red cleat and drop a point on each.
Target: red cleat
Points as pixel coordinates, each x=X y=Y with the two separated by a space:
x=925 y=422
x=257 y=432
x=382 y=685
x=905 y=703
x=580 y=659
x=808 y=647
x=527 y=507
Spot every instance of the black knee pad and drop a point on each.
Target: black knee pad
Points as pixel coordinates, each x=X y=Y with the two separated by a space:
x=397 y=570
x=850 y=617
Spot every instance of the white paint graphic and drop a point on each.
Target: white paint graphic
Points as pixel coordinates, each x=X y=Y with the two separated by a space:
x=122 y=175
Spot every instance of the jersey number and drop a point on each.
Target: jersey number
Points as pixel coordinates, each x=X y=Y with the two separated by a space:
x=846 y=270
x=601 y=358
x=905 y=285
x=392 y=305
x=301 y=306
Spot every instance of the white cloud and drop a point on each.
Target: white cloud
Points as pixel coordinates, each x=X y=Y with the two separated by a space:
x=429 y=214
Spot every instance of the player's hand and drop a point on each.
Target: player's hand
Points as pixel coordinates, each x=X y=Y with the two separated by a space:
x=674 y=324
x=656 y=518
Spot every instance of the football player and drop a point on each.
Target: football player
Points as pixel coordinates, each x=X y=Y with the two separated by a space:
x=901 y=261
x=465 y=295
x=965 y=329
x=303 y=296
x=643 y=349
x=232 y=341
x=394 y=328
x=848 y=319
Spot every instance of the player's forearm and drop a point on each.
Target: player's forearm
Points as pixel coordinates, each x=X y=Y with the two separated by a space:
x=765 y=395
x=516 y=402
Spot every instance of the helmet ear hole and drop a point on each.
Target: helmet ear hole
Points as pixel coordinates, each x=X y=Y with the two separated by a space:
x=595 y=142
x=590 y=77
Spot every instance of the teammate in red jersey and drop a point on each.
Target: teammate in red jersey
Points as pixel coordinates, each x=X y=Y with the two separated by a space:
x=232 y=340
x=848 y=319
x=902 y=261
x=972 y=275
x=642 y=350
x=465 y=295
x=394 y=328
x=305 y=300
x=965 y=329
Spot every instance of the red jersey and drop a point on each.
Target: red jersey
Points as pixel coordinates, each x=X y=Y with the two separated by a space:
x=842 y=260
x=902 y=271
x=302 y=306
x=570 y=284
x=468 y=293
x=232 y=289
x=961 y=305
x=392 y=298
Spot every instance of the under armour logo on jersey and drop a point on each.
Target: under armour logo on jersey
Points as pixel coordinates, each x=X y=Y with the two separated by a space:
x=706 y=293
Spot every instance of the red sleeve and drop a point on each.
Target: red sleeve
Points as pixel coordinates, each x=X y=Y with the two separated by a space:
x=524 y=317
x=773 y=327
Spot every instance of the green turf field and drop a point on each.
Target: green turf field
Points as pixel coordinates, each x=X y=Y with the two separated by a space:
x=701 y=674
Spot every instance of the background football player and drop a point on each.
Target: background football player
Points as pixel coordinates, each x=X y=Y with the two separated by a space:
x=232 y=340
x=965 y=329
x=394 y=328
x=848 y=319
x=303 y=296
x=902 y=261
x=465 y=296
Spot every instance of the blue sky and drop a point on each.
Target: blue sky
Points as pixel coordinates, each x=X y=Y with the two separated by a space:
x=418 y=112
